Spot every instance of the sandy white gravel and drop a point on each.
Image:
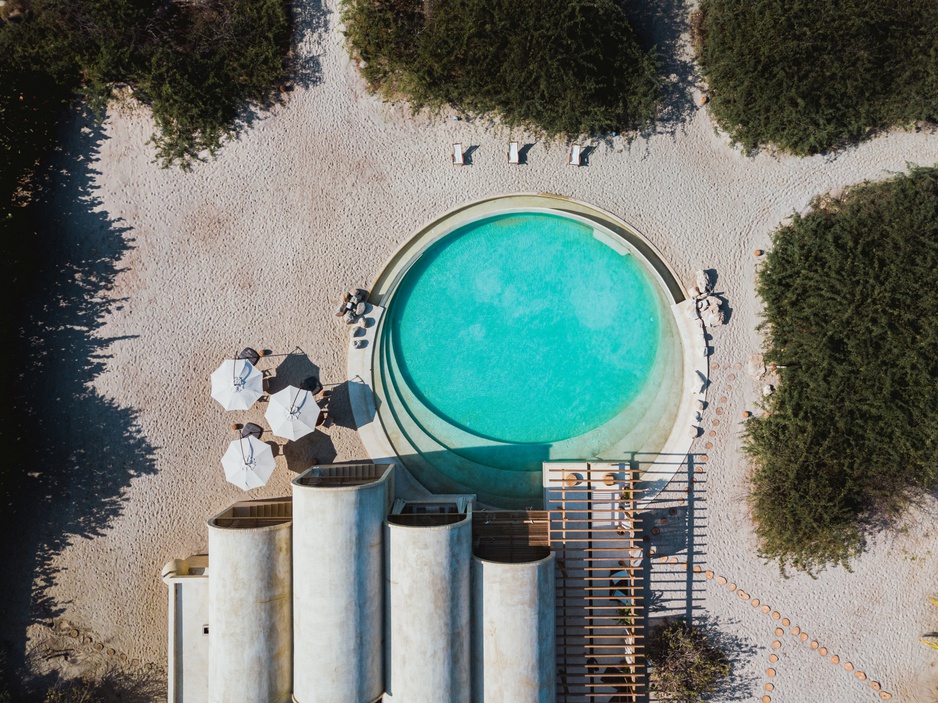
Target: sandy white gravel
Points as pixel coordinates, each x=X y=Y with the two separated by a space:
x=254 y=247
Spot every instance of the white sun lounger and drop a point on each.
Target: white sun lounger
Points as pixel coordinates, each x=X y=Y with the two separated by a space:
x=458 y=159
x=576 y=152
x=513 y=156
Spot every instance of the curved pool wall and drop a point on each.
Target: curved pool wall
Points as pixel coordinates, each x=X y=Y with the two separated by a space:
x=391 y=418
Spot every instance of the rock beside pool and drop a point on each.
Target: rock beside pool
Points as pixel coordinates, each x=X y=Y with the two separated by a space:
x=703 y=281
x=343 y=308
x=360 y=309
x=713 y=317
x=349 y=317
x=756 y=366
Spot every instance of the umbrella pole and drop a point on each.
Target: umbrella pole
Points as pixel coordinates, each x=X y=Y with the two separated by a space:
x=293 y=404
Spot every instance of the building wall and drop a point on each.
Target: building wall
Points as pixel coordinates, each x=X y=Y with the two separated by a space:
x=428 y=613
x=187 y=675
x=338 y=596
x=250 y=622
x=513 y=632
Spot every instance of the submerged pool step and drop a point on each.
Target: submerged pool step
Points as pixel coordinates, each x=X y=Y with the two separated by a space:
x=441 y=469
x=631 y=430
x=426 y=442
x=650 y=434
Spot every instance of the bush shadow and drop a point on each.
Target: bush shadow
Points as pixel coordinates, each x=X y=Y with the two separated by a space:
x=74 y=451
x=310 y=23
x=738 y=686
x=664 y=25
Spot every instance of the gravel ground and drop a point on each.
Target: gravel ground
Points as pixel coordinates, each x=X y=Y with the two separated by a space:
x=165 y=273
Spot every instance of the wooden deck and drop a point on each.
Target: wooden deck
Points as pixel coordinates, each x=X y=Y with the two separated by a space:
x=591 y=511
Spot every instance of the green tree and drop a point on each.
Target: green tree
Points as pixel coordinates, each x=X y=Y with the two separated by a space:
x=686 y=665
x=565 y=67
x=808 y=76
x=850 y=293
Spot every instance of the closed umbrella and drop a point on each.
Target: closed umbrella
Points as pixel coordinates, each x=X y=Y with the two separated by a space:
x=248 y=463
x=292 y=413
x=237 y=384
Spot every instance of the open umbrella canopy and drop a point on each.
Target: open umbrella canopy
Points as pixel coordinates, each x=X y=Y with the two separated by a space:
x=237 y=384
x=248 y=463
x=292 y=413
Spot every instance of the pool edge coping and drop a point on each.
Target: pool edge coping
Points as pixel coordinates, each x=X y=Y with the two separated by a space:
x=360 y=366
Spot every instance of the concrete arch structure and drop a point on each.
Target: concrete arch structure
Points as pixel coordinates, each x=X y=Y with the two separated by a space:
x=249 y=606
x=514 y=658
x=428 y=608
x=338 y=576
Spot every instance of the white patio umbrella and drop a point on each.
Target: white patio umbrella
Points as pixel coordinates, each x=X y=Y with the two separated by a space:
x=292 y=413
x=237 y=384
x=248 y=463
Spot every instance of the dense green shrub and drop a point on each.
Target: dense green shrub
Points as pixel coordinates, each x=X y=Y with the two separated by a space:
x=194 y=63
x=851 y=294
x=807 y=76
x=561 y=66
x=686 y=664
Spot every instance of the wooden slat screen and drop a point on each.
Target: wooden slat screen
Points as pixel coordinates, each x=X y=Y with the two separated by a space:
x=599 y=606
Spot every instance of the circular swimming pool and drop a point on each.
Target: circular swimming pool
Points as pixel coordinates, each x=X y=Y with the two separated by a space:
x=520 y=337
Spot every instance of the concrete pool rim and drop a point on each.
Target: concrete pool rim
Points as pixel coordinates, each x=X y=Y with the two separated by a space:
x=407 y=253
x=363 y=364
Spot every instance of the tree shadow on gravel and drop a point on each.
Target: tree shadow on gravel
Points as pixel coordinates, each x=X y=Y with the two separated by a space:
x=310 y=23
x=738 y=686
x=662 y=25
x=71 y=452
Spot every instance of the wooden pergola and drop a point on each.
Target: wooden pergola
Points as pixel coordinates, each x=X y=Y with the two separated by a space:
x=591 y=508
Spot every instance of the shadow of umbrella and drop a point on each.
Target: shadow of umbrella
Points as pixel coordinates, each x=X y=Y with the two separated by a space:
x=314 y=448
x=295 y=368
x=354 y=394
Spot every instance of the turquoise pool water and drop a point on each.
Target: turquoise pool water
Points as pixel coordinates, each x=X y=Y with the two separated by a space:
x=517 y=337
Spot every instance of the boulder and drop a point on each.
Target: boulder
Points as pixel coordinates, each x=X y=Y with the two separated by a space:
x=767 y=390
x=713 y=317
x=362 y=323
x=360 y=309
x=703 y=281
x=693 y=292
x=349 y=317
x=346 y=297
x=756 y=366
x=341 y=311
x=359 y=343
